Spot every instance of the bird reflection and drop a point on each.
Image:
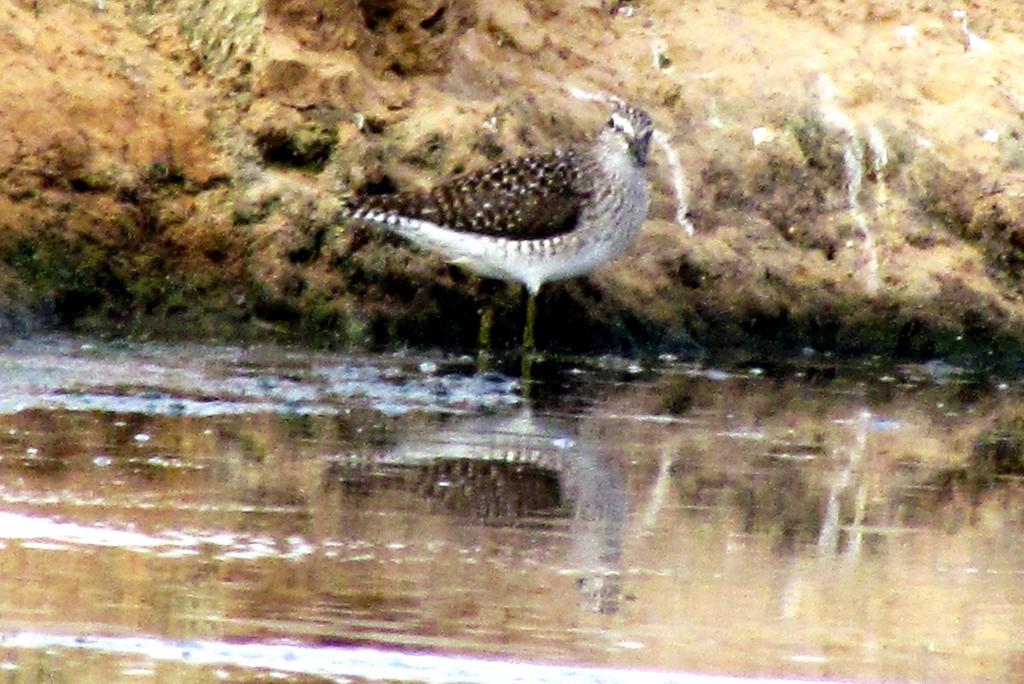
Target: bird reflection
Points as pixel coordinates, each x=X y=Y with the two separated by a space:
x=513 y=470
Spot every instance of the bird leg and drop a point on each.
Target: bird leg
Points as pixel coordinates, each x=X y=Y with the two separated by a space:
x=529 y=344
x=485 y=291
x=483 y=340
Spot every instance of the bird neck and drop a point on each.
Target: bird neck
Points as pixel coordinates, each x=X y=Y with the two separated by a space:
x=612 y=154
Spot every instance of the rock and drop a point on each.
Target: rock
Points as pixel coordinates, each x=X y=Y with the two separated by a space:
x=511 y=22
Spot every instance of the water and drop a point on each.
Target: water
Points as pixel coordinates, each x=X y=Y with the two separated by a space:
x=210 y=514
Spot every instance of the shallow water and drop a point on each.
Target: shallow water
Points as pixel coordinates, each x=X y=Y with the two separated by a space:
x=191 y=513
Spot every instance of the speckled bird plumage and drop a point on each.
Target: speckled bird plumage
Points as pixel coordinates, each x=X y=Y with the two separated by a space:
x=535 y=218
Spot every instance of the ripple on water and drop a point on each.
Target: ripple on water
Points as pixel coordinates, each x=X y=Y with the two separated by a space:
x=214 y=381
x=369 y=663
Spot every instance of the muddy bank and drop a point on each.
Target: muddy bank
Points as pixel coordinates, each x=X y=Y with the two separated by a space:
x=852 y=174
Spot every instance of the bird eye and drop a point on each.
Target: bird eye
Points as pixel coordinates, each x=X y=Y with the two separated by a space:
x=622 y=124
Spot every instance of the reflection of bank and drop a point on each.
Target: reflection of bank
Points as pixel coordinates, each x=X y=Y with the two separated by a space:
x=512 y=470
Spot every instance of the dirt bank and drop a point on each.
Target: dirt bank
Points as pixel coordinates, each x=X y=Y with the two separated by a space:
x=853 y=171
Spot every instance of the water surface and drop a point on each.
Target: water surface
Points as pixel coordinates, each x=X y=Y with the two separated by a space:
x=196 y=513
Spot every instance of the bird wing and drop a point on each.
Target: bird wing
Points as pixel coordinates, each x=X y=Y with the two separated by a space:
x=528 y=198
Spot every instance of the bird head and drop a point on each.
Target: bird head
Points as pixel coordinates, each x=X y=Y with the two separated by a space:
x=631 y=127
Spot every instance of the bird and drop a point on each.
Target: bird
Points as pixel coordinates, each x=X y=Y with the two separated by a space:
x=532 y=219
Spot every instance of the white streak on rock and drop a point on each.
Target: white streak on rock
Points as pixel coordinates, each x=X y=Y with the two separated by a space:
x=679 y=184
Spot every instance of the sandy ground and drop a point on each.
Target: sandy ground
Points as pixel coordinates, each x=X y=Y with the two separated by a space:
x=851 y=171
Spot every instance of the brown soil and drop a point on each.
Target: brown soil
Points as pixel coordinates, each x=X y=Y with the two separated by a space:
x=174 y=167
